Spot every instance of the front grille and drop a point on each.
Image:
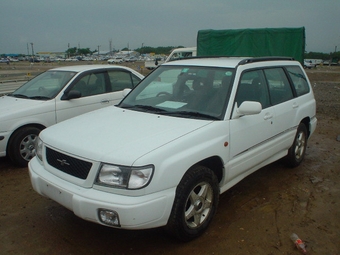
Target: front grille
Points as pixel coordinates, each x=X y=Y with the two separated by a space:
x=72 y=166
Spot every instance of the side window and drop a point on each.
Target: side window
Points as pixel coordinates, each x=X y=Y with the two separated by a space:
x=299 y=80
x=135 y=80
x=91 y=84
x=121 y=80
x=279 y=86
x=252 y=87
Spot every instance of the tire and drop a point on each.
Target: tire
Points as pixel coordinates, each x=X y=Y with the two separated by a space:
x=195 y=204
x=21 y=146
x=297 y=151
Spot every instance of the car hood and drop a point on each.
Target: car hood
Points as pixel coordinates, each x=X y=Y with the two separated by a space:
x=12 y=107
x=115 y=135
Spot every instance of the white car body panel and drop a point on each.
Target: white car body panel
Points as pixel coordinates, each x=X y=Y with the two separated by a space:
x=81 y=201
x=108 y=147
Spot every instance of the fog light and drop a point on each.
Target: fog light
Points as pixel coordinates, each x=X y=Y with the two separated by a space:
x=109 y=217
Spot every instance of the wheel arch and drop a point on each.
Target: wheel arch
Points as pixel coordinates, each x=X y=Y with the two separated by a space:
x=306 y=122
x=36 y=125
x=214 y=163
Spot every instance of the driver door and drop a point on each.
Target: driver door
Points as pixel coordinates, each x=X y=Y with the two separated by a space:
x=249 y=134
x=94 y=95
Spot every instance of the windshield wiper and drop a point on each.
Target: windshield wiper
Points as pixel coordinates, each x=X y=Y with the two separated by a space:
x=40 y=97
x=18 y=95
x=193 y=114
x=27 y=97
x=145 y=107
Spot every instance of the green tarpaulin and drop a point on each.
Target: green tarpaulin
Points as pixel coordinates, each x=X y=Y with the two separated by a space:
x=259 y=42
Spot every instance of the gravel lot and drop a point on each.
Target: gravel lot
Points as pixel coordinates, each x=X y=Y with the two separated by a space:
x=256 y=216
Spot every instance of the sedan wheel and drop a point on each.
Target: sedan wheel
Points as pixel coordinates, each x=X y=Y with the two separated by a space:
x=21 y=146
x=27 y=147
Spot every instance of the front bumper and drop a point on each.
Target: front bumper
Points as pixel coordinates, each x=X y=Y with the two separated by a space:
x=3 y=143
x=142 y=212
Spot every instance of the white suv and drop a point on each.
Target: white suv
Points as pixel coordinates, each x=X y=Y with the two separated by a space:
x=188 y=132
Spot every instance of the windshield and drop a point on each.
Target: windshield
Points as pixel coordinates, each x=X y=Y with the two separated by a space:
x=183 y=91
x=44 y=86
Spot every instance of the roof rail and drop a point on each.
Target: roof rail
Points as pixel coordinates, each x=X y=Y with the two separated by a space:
x=194 y=57
x=260 y=59
x=247 y=60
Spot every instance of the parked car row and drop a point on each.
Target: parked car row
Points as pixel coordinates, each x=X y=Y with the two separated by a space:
x=109 y=59
x=7 y=60
x=118 y=60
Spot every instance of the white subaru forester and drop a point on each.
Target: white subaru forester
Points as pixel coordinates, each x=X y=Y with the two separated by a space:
x=188 y=132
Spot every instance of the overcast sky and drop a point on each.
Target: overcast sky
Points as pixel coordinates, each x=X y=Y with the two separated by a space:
x=53 y=24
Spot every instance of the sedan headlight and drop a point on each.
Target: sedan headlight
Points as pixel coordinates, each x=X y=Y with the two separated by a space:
x=124 y=177
x=38 y=149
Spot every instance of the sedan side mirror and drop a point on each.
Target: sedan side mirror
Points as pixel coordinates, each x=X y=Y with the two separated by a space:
x=73 y=94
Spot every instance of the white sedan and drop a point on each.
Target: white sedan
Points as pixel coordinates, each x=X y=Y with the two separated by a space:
x=115 y=60
x=54 y=96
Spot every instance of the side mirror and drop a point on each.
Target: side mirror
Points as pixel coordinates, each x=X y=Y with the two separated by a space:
x=247 y=108
x=73 y=94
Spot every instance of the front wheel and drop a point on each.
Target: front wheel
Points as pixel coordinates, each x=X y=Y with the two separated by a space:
x=195 y=204
x=21 y=146
x=297 y=151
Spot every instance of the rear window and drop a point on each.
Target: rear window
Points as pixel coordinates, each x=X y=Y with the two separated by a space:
x=299 y=80
x=279 y=86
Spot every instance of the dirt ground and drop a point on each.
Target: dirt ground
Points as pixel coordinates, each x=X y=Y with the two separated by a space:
x=256 y=216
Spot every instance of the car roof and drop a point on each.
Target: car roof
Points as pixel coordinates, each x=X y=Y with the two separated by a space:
x=228 y=62
x=82 y=68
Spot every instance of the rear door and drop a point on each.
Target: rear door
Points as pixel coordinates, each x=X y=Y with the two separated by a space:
x=285 y=105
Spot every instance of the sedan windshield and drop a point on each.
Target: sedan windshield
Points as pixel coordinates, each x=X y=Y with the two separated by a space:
x=44 y=86
x=183 y=91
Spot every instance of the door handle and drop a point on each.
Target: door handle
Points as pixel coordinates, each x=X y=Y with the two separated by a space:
x=295 y=105
x=268 y=116
x=105 y=101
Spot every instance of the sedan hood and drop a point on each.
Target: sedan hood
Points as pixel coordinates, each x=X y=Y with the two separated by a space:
x=12 y=107
x=115 y=135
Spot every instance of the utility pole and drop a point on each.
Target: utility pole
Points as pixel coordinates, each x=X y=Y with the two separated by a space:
x=110 y=41
x=98 y=50
x=32 y=51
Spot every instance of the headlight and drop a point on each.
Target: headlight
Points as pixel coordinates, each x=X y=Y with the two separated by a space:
x=124 y=177
x=39 y=148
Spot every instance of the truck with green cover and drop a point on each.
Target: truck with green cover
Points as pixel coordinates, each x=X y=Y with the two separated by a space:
x=256 y=42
